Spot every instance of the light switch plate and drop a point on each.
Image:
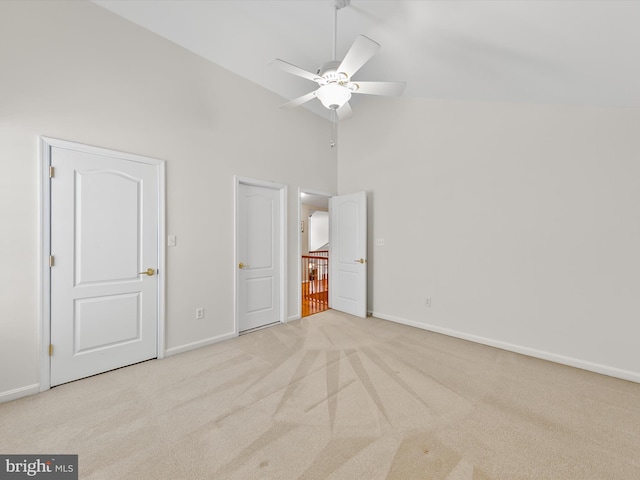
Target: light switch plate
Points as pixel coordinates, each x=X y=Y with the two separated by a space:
x=171 y=241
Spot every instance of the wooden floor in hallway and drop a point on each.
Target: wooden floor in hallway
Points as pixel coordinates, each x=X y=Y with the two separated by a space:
x=315 y=297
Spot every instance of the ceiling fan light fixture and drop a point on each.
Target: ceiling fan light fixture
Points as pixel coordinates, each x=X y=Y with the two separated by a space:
x=333 y=95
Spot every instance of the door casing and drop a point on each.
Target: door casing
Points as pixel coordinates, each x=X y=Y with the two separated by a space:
x=282 y=231
x=46 y=143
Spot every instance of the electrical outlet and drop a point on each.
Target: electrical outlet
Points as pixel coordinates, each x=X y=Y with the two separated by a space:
x=199 y=313
x=427 y=302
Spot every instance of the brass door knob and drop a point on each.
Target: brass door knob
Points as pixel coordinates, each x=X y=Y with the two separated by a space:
x=242 y=265
x=149 y=271
x=362 y=260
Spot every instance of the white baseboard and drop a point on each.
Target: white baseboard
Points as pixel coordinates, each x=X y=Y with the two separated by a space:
x=19 y=392
x=33 y=389
x=199 y=344
x=294 y=317
x=531 y=352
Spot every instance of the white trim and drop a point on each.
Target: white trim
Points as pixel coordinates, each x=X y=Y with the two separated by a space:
x=19 y=393
x=46 y=143
x=162 y=257
x=283 y=189
x=199 y=344
x=293 y=318
x=45 y=270
x=299 y=261
x=530 y=352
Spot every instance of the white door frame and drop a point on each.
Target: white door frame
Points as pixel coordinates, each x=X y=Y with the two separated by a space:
x=299 y=262
x=46 y=144
x=282 y=230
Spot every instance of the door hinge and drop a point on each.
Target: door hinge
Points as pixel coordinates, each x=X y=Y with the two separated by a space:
x=51 y=261
x=52 y=172
x=51 y=350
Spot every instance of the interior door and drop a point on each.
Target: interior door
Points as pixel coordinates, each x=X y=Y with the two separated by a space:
x=104 y=232
x=258 y=256
x=348 y=257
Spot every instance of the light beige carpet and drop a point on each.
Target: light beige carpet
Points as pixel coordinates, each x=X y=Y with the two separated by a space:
x=337 y=397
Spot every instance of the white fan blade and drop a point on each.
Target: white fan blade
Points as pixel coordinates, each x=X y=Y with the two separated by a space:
x=361 y=51
x=344 y=111
x=391 y=89
x=287 y=67
x=299 y=101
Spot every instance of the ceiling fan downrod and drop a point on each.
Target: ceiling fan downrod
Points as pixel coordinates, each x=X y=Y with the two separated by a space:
x=337 y=5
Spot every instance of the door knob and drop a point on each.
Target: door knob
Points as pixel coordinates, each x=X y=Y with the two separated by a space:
x=242 y=265
x=149 y=271
x=362 y=260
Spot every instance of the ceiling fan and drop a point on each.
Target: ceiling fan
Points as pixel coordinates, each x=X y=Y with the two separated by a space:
x=335 y=77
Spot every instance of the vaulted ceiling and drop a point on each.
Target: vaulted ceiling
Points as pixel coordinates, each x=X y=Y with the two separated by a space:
x=568 y=52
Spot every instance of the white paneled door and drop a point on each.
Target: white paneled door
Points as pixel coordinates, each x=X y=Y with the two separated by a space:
x=105 y=248
x=348 y=257
x=259 y=253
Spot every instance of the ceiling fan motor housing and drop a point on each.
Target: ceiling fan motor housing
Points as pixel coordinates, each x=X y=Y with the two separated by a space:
x=328 y=73
x=338 y=4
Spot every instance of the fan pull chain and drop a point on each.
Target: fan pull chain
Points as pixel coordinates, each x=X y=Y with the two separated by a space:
x=334 y=129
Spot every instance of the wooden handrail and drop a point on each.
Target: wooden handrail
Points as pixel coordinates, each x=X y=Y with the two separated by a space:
x=319 y=253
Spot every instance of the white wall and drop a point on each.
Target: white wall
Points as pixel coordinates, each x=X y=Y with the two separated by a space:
x=521 y=222
x=74 y=71
x=318 y=230
x=304 y=236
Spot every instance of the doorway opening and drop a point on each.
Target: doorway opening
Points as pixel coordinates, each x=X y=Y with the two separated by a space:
x=315 y=282
x=315 y=251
